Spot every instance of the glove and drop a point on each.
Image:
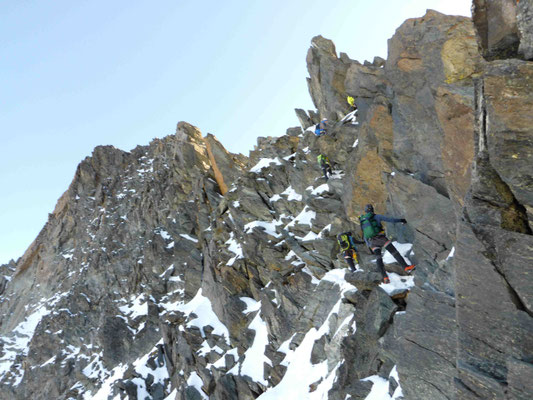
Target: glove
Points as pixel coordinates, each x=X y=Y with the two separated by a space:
x=403 y=221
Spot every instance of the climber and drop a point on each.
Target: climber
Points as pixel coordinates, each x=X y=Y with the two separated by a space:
x=351 y=102
x=349 y=251
x=375 y=239
x=320 y=128
x=323 y=162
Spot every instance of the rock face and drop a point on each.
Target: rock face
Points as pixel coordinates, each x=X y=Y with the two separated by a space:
x=181 y=271
x=494 y=237
x=504 y=28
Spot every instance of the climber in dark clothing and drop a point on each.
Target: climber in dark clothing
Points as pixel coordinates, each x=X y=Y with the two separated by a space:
x=347 y=245
x=323 y=162
x=375 y=239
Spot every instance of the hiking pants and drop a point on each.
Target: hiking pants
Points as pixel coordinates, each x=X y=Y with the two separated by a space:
x=349 y=256
x=379 y=241
x=327 y=169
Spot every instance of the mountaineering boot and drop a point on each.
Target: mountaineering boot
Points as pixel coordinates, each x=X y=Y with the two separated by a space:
x=386 y=280
x=409 y=268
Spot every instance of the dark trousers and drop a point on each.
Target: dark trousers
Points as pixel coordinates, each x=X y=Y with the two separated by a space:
x=327 y=169
x=379 y=242
x=349 y=256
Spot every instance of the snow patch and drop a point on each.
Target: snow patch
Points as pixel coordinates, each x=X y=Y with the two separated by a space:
x=185 y=236
x=321 y=189
x=164 y=234
x=304 y=218
x=196 y=382
x=138 y=307
x=201 y=307
x=235 y=248
x=291 y=194
x=337 y=276
x=380 y=387
x=397 y=283
x=251 y=305
x=254 y=358
x=263 y=163
x=403 y=249
x=310 y=236
x=269 y=227
x=452 y=253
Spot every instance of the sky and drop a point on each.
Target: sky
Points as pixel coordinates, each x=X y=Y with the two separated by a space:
x=78 y=74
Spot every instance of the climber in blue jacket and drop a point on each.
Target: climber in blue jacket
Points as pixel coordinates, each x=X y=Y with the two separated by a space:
x=320 y=128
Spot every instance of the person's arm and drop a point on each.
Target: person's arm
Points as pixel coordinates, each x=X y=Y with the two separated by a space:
x=380 y=218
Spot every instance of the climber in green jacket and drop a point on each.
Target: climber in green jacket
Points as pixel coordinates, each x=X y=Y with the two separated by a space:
x=351 y=102
x=323 y=162
x=375 y=239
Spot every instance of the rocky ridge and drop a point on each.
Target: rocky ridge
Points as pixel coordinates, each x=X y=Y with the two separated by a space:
x=181 y=271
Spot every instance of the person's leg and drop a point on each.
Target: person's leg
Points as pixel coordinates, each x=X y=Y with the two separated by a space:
x=397 y=256
x=350 y=262
x=354 y=256
x=379 y=262
x=325 y=172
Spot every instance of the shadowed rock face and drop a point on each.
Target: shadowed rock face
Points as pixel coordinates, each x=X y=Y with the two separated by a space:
x=504 y=28
x=179 y=270
x=494 y=240
x=497 y=29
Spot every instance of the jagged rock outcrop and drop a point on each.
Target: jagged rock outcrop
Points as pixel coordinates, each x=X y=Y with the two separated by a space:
x=181 y=271
x=504 y=28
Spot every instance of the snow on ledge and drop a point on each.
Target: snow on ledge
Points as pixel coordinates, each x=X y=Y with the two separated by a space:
x=185 y=236
x=397 y=283
x=201 y=306
x=321 y=189
x=452 y=253
x=380 y=387
x=269 y=227
x=304 y=218
x=251 y=305
x=263 y=163
x=255 y=358
x=403 y=249
x=291 y=194
x=196 y=382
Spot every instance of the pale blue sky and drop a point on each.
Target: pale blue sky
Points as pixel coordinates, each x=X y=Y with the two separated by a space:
x=78 y=74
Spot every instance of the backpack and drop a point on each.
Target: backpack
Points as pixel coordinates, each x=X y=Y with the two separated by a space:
x=322 y=160
x=345 y=241
x=370 y=226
